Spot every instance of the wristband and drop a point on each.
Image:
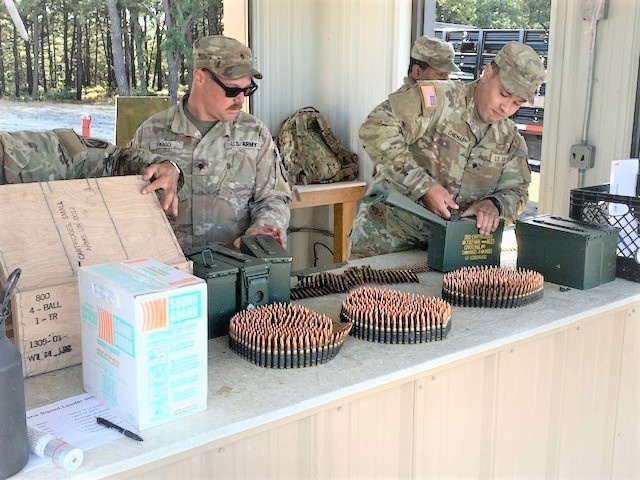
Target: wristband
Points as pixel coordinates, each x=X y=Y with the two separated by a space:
x=496 y=203
x=175 y=165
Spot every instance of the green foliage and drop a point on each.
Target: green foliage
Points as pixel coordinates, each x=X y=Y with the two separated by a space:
x=60 y=95
x=95 y=94
x=59 y=23
x=531 y=14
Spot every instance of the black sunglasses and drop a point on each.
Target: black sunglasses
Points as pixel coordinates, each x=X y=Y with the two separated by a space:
x=231 y=92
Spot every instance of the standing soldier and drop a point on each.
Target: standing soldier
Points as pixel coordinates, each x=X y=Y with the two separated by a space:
x=431 y=59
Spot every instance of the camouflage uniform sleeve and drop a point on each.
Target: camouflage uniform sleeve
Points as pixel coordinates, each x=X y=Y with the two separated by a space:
x=386 y=135
x=512 y=189
x=96 y=158
x=27 y=156
x=272 y=194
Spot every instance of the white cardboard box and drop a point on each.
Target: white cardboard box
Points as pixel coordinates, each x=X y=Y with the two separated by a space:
x=623 y=181
x=624 y=177
x=144 y=339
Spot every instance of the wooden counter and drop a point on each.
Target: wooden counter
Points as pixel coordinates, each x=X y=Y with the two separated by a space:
x=548 y=390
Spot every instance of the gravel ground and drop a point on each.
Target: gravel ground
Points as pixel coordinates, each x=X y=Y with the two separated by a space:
x=38 y=116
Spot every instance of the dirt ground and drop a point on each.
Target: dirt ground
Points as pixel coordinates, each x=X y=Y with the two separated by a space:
x=38 y=116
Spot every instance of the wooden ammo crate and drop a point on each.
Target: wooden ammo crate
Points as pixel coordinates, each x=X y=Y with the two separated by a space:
x=48 y=230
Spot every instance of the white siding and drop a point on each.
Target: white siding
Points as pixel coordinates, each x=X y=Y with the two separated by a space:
x=613 y=95
x=341 y=56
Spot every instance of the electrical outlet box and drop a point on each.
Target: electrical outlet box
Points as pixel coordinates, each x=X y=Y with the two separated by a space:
x=582 y=156
x=589 y=8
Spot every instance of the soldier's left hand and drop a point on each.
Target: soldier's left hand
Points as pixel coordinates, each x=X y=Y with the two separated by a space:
x=278 y=234
x=487 y=216
x=163 y=176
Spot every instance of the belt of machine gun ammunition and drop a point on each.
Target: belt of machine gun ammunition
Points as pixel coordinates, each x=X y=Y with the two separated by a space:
x=326 y=283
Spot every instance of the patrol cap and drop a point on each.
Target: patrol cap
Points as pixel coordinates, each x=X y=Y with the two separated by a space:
x=224 y=56
x=521 y=70
x=437 y=53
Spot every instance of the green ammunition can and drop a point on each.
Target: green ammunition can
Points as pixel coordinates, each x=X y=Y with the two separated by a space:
x=222 y=280
x=453 y=243
x=253 y=276
x=267 y=249
x=568 y=252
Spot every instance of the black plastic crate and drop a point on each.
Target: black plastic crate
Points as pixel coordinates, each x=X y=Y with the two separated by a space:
x=593 y=204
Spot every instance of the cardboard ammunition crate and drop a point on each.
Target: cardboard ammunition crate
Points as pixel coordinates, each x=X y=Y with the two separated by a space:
x=567 y=252
x=144 y=340
x=596 y=205
x=49 y=230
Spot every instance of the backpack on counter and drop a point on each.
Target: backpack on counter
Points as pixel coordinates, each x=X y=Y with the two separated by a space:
x=311 y=152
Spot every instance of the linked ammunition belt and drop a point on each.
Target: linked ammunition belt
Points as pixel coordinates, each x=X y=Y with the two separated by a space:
x=389 y=316
x=326 y=283
x=285 y=335
x=483 y=286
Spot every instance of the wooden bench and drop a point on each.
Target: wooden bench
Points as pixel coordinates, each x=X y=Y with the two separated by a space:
x=343 y=196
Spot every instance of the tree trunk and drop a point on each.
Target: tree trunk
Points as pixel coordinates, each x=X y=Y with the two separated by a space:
x=16 y=63
x=138 y=39
x=128 y=49
x=117 y=49
x=79 y=73
x=65 y=51
x=36 y=53
x=157 y=70
x=214 y=17
x=3 y=79
x=173 y=59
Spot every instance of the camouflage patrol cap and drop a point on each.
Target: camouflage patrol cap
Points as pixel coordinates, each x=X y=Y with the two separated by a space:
x=437 y=53
x=224 y=56
x=521 y=70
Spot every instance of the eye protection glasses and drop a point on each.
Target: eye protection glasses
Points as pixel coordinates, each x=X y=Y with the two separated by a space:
x=232 y=92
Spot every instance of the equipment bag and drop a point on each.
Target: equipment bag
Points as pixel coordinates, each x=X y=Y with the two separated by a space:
x=311 y=152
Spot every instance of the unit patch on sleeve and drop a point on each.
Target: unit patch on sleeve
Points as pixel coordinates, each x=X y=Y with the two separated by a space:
x=429 y=96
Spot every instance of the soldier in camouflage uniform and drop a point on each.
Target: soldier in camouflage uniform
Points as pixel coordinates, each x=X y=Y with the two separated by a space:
x=431 y=59
x=448 y=146
x=60 y=154
x=235 y=182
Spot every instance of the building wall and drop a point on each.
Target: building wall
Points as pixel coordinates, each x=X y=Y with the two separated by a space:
x=617 y=53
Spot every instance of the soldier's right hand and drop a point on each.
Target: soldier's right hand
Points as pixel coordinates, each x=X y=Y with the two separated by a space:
x=163 y=176
x=439 y=201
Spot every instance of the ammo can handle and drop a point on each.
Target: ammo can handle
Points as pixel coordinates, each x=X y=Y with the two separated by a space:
x=235 y=255
x=566 y=227
x=211 y=261
x=262 y=243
